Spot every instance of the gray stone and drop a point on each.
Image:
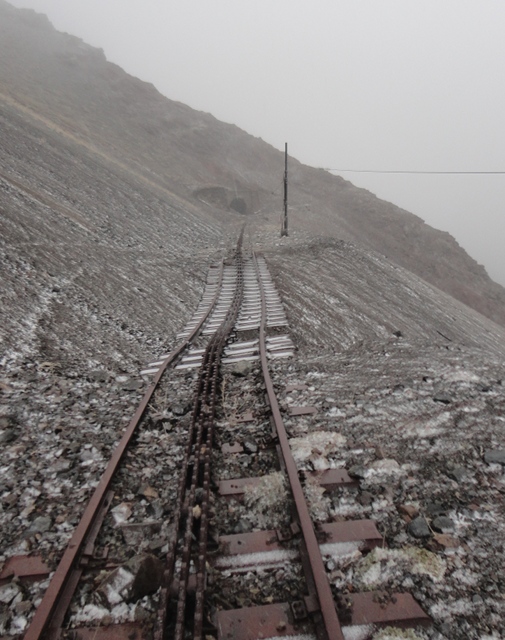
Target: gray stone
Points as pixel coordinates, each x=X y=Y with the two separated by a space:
x=419 y=528
x=40 y=524
x=443 y=524
x=365 y=498
x=10 y=500
x=330 y=565
x=7 y=422
x=496 y=456
x=435 y=509
x=139 y=577
x=443 y=398
x=139 y=532
x=99 y=375
x=148 y=575
x=8 y=436
x=357 y=471
x=132 y=385
x=157 y=509
x=8 y=592
x=5 y=618
x=457 y=473
x=23 y=607
x=199 y=495
x=250 y=447
x=243 y=526
x=156 y=544
x=61 y=465
x=180 y=409
x=242 y=368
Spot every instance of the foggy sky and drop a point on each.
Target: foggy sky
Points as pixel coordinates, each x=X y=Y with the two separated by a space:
x=355 y=84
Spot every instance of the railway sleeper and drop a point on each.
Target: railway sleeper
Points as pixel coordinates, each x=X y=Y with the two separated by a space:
x=366 y=611
x=245 y=551
x=329 y=479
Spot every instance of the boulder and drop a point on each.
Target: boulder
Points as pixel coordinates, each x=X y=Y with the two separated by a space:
x=139 y=577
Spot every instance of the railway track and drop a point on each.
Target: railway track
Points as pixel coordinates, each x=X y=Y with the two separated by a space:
x=221 y=543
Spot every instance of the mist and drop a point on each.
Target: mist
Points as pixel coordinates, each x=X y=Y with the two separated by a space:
x=361 y=85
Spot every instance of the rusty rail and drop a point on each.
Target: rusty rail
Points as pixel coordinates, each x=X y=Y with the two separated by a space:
x=318 y=611
x=180 y=612
x=322 y=585
x=50 y=613
x=192 y=517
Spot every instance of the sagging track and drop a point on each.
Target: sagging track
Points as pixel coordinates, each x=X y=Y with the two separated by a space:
x=181 y=610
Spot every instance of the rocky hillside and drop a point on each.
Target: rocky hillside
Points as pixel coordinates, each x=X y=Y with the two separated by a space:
x=207 y=166
x=114 y=201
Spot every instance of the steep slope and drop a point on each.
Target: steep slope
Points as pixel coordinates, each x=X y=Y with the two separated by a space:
x=78 y=233
x=104 y=250
x=341 y=298
x=71 y=87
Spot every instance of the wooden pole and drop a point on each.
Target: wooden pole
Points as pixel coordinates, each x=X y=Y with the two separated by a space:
x=284 y=228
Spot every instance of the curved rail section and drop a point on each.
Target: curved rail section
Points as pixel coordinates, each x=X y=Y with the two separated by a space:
x=49 y=616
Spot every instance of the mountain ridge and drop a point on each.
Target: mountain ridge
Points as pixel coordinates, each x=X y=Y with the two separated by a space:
x=114 y=204
x=190 y=153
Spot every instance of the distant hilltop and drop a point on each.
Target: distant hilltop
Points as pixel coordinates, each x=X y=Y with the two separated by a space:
x=214 y=167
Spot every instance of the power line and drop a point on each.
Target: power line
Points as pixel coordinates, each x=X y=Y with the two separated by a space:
x=433 y=173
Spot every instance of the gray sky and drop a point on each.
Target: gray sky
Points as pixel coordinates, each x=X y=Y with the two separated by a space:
x=349 y=84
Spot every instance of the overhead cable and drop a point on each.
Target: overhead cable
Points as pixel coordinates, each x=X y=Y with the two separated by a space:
x=434 y=173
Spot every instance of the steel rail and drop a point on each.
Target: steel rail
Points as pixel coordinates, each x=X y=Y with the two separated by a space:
x=197 y=455
x=201 y=563
x=204 y=414
x=323 y=589
x=50 y=613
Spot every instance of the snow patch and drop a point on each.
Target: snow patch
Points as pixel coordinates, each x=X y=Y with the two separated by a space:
x=461 y=375
x=388 y=466
x=393 y=633
x=383 y=564
x=446 y=610
x=335 y=412
x=250 y=561
x=357 y=632
x=428 y=428
x=340 y=549
x=267 y=500
x=319 y=442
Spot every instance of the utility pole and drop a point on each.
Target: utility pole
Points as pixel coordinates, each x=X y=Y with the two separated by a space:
x=284 y=227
